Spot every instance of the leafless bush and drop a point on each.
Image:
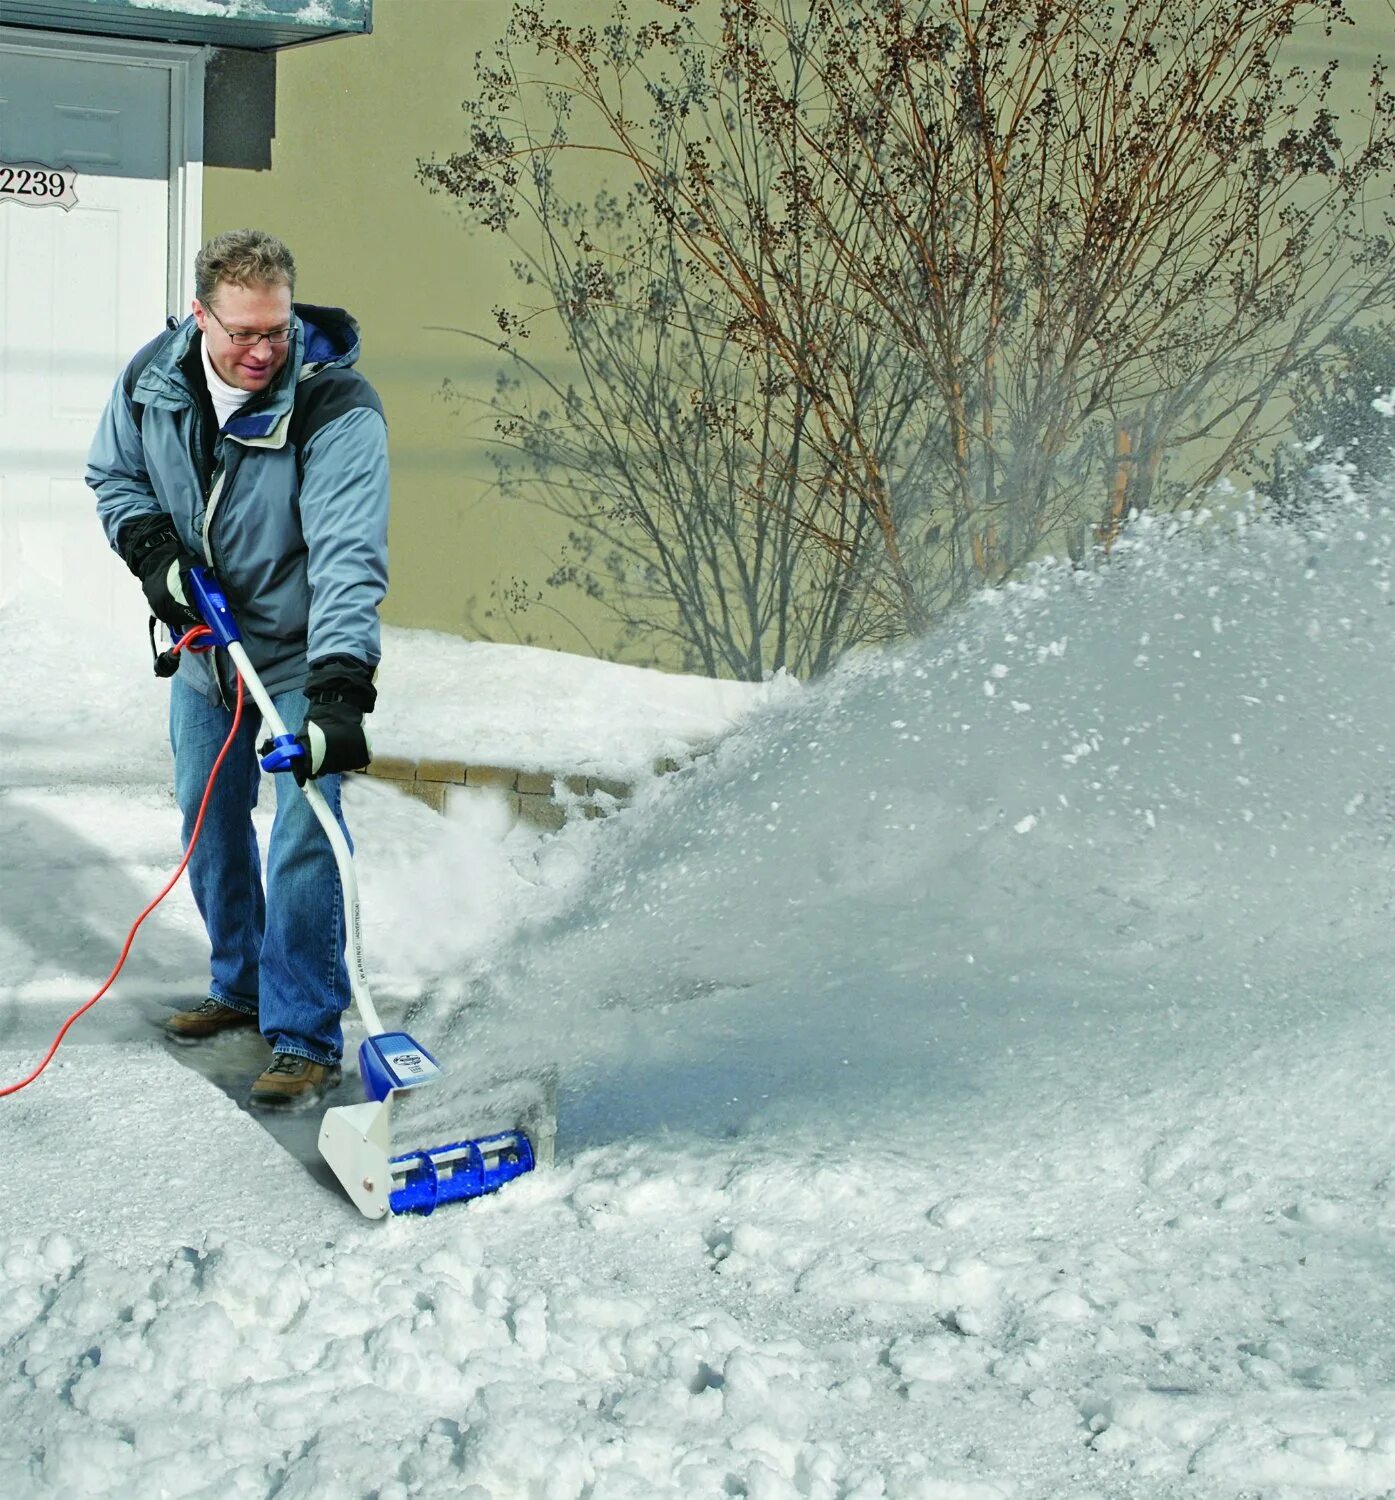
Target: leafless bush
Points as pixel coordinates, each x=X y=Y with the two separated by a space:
x=905 y=294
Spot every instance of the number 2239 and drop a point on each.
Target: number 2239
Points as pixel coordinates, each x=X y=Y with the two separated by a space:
x=38 y=186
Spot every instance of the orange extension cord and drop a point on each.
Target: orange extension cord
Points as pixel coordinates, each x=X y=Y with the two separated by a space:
x=199 y=630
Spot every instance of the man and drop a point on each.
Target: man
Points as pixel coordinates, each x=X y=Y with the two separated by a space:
x=242 y=439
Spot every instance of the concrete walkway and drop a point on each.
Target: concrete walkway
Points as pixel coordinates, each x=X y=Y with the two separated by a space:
x=67 y=900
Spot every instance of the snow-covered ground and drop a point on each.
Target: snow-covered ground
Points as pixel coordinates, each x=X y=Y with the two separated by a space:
x=976 y=1082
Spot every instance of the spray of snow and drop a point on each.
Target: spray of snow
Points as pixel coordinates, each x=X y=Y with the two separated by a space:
x=837 y=916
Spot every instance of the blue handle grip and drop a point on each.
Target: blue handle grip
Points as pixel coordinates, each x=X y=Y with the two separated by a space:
x=285 y=748
x=212 y=604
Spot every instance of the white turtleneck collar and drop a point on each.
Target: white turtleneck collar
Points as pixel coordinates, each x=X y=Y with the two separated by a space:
x=226 y=398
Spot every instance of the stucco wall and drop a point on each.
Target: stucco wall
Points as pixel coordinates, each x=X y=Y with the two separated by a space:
x=352 y=119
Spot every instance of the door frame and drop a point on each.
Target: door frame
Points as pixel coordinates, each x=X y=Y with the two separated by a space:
x=184 y=70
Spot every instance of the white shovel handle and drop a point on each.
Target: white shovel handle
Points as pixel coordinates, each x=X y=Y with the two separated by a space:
x=358 y=979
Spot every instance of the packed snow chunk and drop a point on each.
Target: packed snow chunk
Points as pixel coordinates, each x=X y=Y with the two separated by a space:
x=1321 y=1213
x=91 y=1462
x=256 y=1289
x=1172 y=1420
x=938 y=1359
x=1348 y=1448
x=1064 y=1307
x=769 y=1385
x=56 y=1253
x=957 y=1212
x=942 y=1283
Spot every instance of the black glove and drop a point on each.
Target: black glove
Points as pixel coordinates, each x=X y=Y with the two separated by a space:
x=152 y=550
x=341 y=691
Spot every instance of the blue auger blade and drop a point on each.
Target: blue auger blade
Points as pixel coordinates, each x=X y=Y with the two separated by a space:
x=465 y=1169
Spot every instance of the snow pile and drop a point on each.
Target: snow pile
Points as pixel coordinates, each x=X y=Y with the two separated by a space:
x=972 y=1081
x=327 y=1361
x=442 y=697
x=439 y=696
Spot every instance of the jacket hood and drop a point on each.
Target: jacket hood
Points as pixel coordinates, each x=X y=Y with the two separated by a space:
x=329 y=337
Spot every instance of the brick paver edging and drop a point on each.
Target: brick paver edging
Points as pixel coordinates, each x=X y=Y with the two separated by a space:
x=542 y=798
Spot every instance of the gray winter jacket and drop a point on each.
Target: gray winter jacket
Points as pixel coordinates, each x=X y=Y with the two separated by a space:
x=288 y=503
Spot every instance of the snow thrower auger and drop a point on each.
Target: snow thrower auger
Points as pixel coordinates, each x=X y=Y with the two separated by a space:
x=356 y=1139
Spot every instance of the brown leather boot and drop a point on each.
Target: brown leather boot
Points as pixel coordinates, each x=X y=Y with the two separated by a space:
x=292 y=1082
x=206 y=1020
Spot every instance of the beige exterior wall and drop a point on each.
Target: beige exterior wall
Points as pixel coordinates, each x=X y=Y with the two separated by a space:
x=352 y=119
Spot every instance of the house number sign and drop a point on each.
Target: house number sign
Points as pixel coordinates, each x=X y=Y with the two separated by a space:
x=38 y=186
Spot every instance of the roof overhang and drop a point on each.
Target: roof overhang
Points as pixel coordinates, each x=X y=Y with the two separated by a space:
x=256 y=25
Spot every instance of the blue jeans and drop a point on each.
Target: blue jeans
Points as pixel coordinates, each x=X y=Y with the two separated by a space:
x=278 y=956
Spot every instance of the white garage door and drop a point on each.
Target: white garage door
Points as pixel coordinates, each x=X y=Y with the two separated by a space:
x=80 y=290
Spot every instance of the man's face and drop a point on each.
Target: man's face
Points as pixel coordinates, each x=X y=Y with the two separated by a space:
x=245 y=310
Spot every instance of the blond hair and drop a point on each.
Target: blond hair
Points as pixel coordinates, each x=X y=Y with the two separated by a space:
x=242 y=257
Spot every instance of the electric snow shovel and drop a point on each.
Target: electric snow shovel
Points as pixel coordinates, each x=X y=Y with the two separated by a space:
x=355 y=1139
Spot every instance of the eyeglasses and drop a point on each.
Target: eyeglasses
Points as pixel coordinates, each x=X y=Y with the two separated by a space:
x=245 y=340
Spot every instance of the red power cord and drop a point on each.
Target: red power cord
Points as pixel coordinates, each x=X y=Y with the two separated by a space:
x=82 y=1010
